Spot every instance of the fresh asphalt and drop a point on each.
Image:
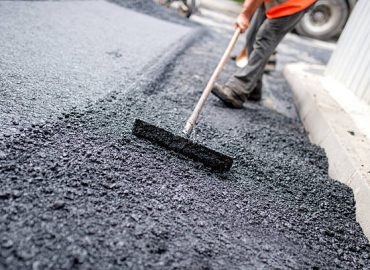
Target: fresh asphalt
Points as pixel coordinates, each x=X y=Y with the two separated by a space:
x=83 y=192
x=56 y=56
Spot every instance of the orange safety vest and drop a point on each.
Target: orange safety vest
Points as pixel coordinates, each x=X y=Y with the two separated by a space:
x=280 y=8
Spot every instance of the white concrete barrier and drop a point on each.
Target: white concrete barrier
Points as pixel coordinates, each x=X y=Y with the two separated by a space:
x=350 y=63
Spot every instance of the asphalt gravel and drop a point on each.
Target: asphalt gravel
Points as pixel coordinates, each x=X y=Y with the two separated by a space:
x=155 y=10
x=60 y=55
x=83 y=193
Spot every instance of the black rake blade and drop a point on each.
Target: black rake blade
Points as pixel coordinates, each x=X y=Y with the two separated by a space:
x=209 y=157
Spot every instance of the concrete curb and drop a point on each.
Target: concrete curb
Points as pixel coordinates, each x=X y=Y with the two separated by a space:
x=334 y=129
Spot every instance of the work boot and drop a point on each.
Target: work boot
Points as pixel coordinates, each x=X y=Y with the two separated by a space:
x=256 y=94
x=227 y=95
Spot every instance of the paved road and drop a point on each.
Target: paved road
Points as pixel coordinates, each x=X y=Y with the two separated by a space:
x=55 y=56
x=82 y=192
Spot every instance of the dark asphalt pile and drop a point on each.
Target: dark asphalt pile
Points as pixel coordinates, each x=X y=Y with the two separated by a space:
x=84 y=193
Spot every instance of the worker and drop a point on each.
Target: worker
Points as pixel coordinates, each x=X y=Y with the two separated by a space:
x=272 y=20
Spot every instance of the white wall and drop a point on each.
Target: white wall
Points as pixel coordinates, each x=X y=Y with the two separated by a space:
x=350 y=62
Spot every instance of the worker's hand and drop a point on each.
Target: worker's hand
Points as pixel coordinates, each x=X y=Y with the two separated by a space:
x=242 y=22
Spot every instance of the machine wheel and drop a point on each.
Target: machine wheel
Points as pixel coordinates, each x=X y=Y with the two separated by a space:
x=325 y=21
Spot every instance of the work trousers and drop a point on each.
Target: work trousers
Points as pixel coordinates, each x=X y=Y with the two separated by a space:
x=263 y=36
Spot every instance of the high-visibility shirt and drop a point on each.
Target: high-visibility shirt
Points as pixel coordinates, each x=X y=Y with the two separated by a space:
x=280 y=8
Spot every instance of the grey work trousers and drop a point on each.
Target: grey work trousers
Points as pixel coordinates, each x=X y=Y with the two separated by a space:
x=258 y=18
x=263 y=35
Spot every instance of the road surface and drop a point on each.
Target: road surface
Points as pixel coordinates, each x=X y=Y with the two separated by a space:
x=82 y=192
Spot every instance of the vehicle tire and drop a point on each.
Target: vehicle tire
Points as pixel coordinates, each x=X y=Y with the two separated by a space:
x=325 y=20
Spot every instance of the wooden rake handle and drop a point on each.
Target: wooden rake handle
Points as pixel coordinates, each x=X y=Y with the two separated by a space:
x=192 y=121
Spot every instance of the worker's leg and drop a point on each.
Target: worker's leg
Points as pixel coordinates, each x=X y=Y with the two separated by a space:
x=258 y=18
x=240 y=85
x=268 y=37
